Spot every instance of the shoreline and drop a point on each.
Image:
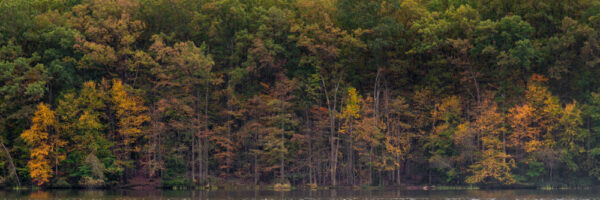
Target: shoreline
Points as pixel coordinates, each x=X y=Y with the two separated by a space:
x=306 y=188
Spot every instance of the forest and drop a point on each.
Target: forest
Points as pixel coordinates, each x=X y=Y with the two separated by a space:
x=202 y=93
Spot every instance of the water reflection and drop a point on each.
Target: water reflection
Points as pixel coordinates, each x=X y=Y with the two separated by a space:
x=39 y=195
x=308 y=194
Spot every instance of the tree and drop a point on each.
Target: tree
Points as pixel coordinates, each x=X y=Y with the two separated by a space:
x=325 y=49
x=131 y=115
x=571 y=138
x=445 y=121
x=592 y=114
x=535 y=124
x=505 y=47
x=11 y=166
x=82 y=118
x=535 y=120
x=368 y=137
x=107 y=40
x=183 y=74
x=398 y=137
x=349 y=113
x=23 y=84
x=494 y=164
x=273 y=127
x=45 y=143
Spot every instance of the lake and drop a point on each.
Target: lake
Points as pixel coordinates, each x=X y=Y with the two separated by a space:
x=320 y=194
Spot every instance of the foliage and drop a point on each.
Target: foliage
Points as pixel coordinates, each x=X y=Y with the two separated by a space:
x=45 y=144
x=97 y=93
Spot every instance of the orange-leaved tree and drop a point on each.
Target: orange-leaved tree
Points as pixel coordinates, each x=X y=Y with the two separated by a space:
x=534 y=121
x=44 y=143
x=535 y=127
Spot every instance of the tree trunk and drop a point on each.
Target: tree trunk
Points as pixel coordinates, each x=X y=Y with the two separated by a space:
x=333 y=149
x=331 y=106
x=310 y=153
x=351 y=155
x=203 y=169
x=12 y=164
x=193 y=162
x=282 y=163
x=255 y=165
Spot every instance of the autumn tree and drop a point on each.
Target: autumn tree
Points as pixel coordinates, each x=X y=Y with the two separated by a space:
x=493 y=165
x=82 y=119
x=183 y=74
x=131 y=116
x=109 y=32
x=445 y=121
x=399 y=137
x=279 y=125
x=368 y=138
x=535 y=124
x=350 y=112
x=45 y=145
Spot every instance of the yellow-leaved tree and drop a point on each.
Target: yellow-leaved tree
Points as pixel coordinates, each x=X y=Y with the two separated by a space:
x=130 y=114
x=534 y=121
x=398 y=137
x=536 y=126
x=44 y=143
x=494 y=165
x=350 y=112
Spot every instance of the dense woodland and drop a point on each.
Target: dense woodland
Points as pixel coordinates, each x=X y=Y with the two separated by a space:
x=96 y=93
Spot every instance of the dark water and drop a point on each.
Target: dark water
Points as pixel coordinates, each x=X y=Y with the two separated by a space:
x=322 y=194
